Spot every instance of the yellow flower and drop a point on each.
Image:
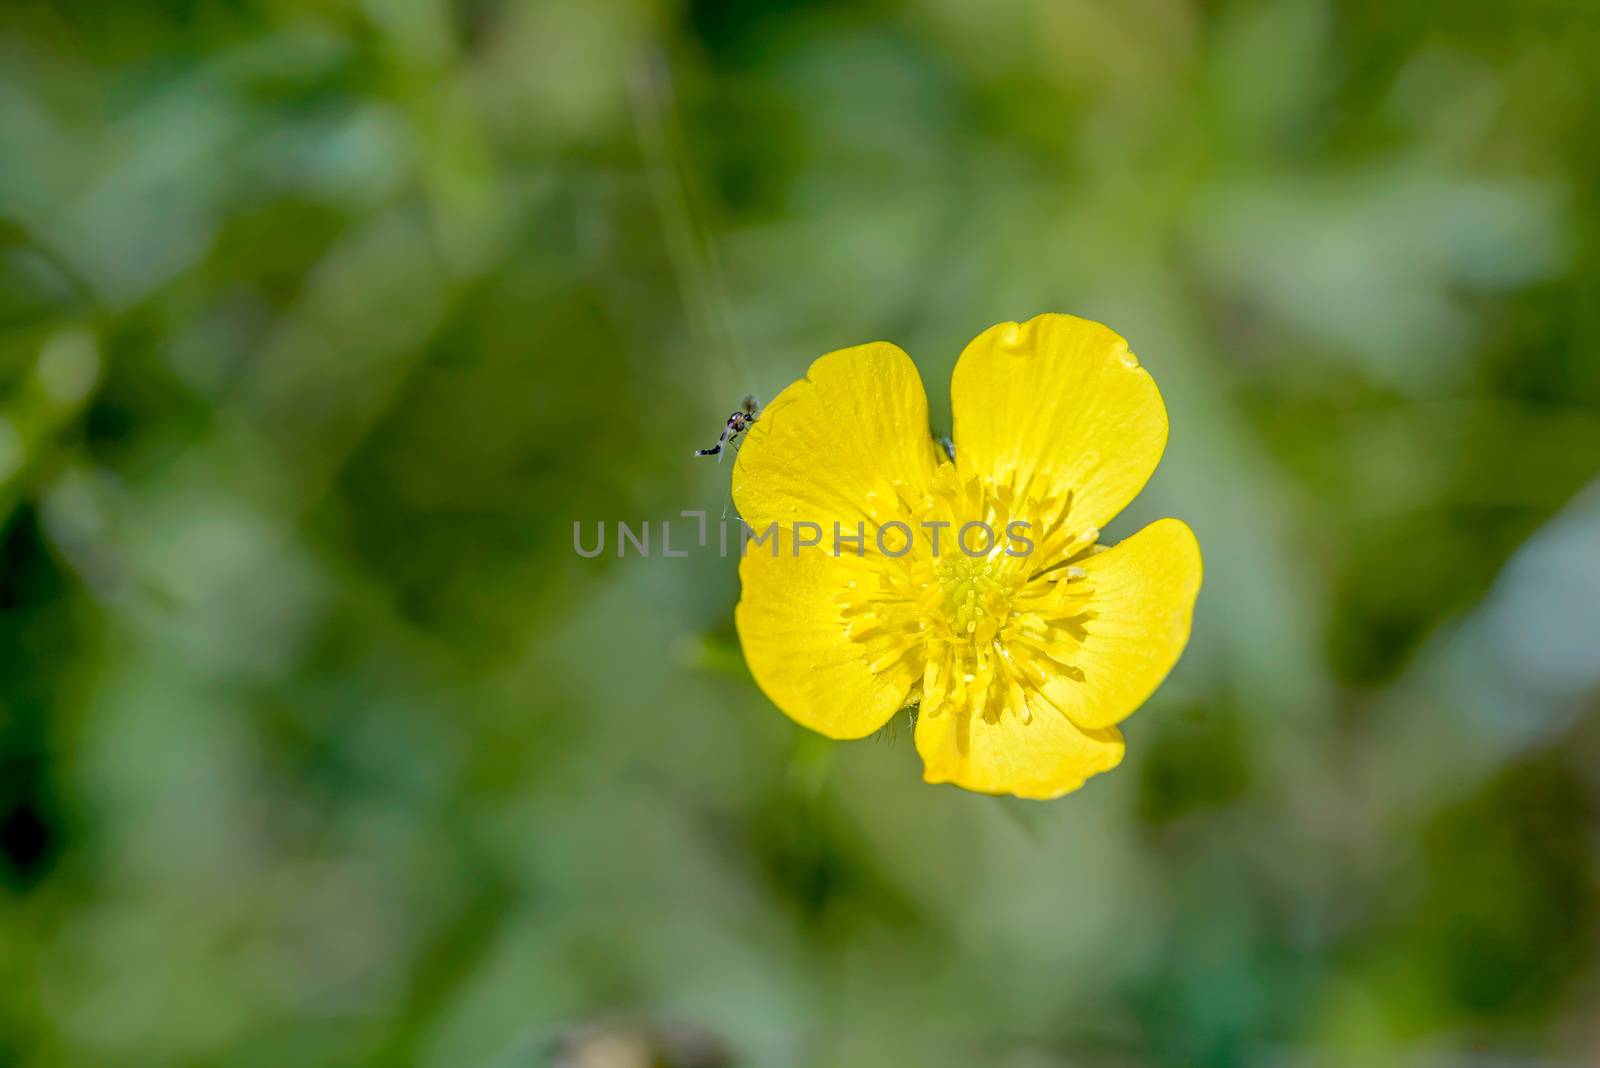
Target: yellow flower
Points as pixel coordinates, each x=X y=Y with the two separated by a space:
x=1022 y=664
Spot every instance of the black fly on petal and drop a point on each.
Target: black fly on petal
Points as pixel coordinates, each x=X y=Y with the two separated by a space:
x=738 y=423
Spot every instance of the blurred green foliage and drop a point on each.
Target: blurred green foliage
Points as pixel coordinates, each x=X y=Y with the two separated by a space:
x=321 y=323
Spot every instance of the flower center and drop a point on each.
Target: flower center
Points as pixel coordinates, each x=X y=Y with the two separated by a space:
x=977 y=632
x=976 y=594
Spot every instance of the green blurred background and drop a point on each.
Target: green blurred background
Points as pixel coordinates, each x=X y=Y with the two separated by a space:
x=320 y=324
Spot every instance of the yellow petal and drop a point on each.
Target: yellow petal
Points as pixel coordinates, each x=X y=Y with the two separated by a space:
x=1058 y=404
x=835 y=445
x=1043 y=758
x=1142 y=598
x=793 y=628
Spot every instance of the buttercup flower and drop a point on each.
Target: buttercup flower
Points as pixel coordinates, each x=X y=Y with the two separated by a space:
x=1022 y=662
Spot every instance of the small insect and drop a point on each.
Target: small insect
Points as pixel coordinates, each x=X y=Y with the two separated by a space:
x=738 y=423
